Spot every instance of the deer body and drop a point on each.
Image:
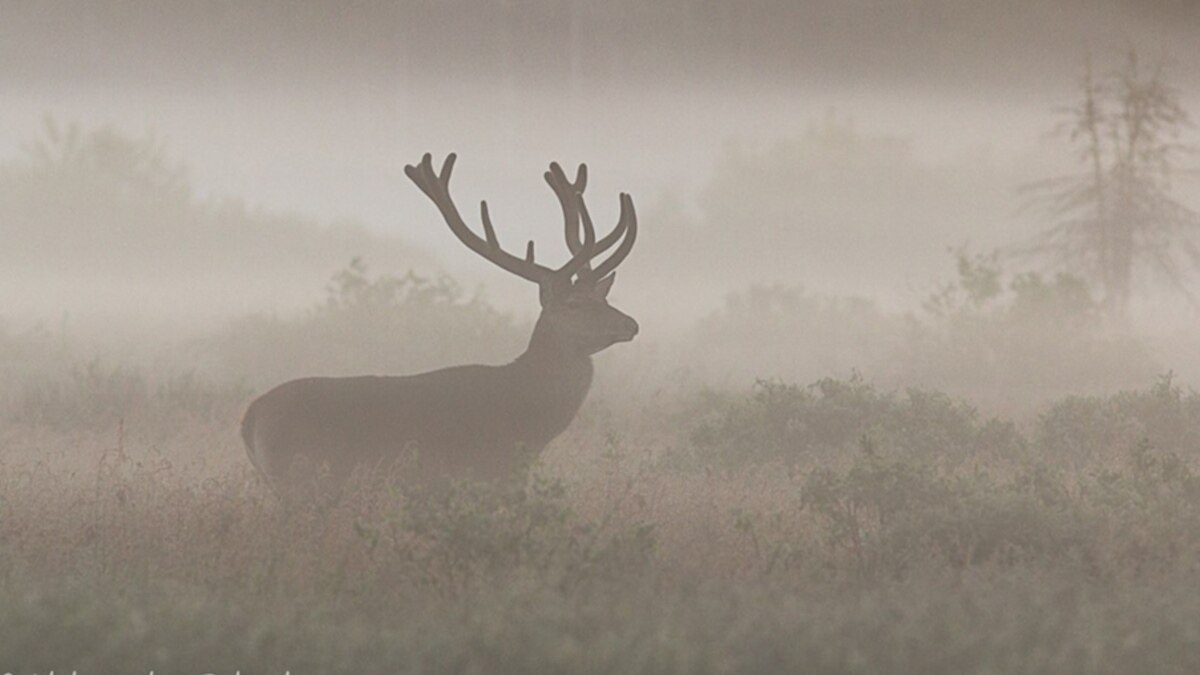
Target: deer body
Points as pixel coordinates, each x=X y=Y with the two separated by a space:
x=472 y=421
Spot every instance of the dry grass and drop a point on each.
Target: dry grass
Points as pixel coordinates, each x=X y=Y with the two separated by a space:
x=124 y=553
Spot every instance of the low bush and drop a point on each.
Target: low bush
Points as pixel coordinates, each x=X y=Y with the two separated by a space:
x=790 y=423
x=1084 y=428
x=504 y=532
x=94 y=395
x=886 y=517
x=366 y=324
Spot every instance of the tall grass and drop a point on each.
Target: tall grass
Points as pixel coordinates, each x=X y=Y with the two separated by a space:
x=855 y=551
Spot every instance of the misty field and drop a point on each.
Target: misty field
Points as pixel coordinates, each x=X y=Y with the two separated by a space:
x=1004 y=480
x=834 y=527
x=900 y=377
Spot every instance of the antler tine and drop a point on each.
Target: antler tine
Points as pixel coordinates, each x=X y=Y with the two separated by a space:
x=570 y=197
x=566 y=191
x=447 y=166
x=436 y=186
x=489 y=232
x=627 y=225
x=576 y=214
x=587 y=249
x=609 y=239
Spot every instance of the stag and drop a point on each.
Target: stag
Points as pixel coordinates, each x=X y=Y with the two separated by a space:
x=470 y=421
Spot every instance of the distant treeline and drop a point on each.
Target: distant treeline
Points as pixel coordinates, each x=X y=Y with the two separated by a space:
x=90 y=208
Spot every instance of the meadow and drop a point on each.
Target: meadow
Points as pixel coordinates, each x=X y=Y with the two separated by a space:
x=831 y=526
x=1005 y=479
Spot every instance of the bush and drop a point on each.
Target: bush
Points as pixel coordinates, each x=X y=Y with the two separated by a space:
x=1009 y=345
x=791 y=334
x=367 y=324
x=1005 y=343
x=503 y=532
x=884 y=517
x=93 y=395
x=1086 y=428
x=788 y=423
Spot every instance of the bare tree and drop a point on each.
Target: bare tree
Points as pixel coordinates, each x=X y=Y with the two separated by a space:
x=1117 y=217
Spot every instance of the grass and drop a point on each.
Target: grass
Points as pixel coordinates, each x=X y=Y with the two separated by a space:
x=631 y=549
x=985 y=623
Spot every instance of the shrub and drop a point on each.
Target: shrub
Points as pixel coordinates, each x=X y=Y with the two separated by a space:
x=1009 y=345
x=367 y=324
x=1083 y=428
x=789 y=333
x=883 y=517
x=785 y=422
x=482 y=532
x=94 y=395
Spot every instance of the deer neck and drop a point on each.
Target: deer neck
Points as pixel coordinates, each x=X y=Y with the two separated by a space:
x=555 y=368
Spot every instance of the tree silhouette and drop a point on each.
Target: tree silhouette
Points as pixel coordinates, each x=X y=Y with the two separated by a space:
x=105 y=159
x=1117 y=216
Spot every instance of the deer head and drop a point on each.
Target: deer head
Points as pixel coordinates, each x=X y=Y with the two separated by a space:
x=576 y=317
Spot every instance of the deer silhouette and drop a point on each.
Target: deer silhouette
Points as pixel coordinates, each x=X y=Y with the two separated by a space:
x=470 y=421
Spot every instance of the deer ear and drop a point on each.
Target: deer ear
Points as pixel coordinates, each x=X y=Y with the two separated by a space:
x=602 y=287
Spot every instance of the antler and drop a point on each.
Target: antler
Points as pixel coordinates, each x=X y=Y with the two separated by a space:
x=626 y=226
x=570 y=197
x=436 y=186
x=575 y=214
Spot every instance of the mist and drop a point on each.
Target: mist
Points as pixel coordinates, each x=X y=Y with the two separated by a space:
x=867 y=380
x=316 y=110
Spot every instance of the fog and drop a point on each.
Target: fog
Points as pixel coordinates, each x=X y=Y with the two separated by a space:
x=866 y=425
x=871 y=140
x=316 y=110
